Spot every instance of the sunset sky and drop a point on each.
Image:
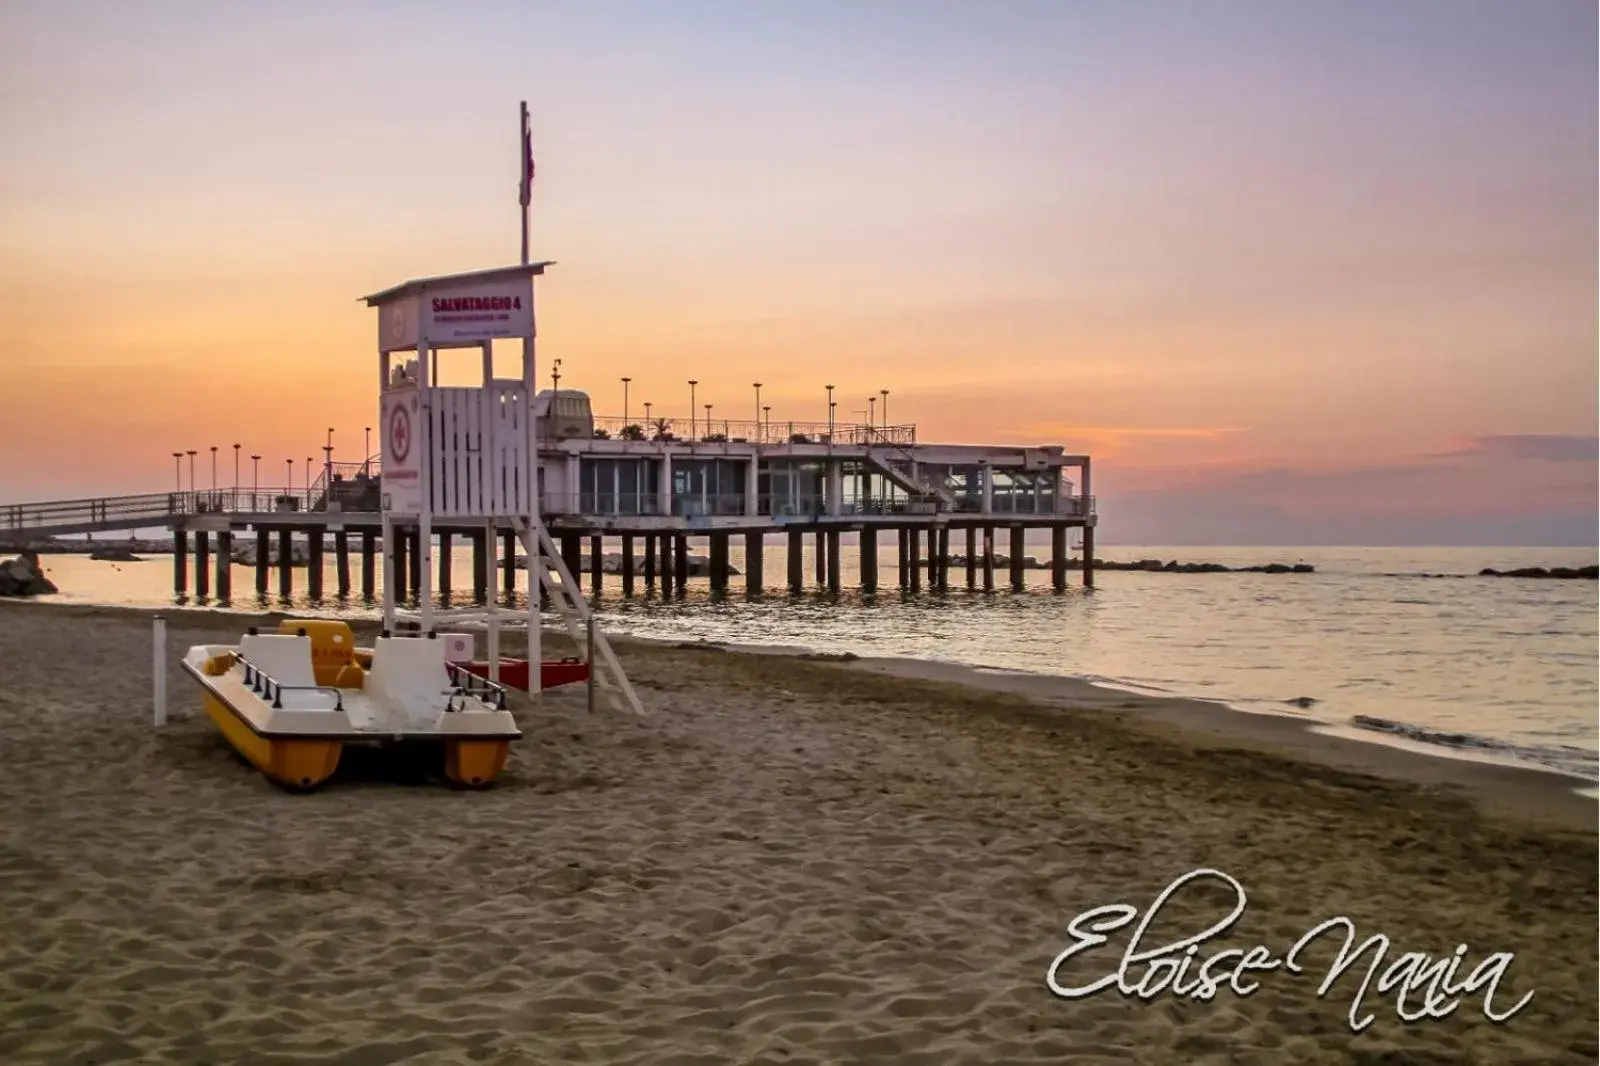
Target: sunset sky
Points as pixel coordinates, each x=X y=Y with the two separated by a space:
x=1292 y=271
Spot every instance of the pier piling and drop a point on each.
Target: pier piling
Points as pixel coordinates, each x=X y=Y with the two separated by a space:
x=942 y=556
x=718 y=556
x=415 y=558
x=202 y=562
x=285 y=563
x=869 y=558
x=225 y=566
x=627 y=564
x=180 y=561
x=1088 y=556
x=1058 y=557
x=988 y=558
x=314 y=564
x=369 y=565
x=833 y=561
x=508 y=576
x=341 y=562
x=572 y=555
x=681 y=562
x=972 y=560
x=597 y=570
x=445 y=568
x=903 y=556
x=1016 y=558
x=649 y=563
x=797 y=569
x=263 y=554
x=480 y=564
x=754 y=562
x=821 y=557
x=914 y=547
x=402 y=568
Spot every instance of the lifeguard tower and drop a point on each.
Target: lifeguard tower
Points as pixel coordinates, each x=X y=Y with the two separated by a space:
x=466 y=456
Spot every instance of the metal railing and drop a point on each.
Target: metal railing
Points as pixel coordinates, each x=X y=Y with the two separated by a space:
x=262 y=684
x=89 y=513
x=719 y=430
x=479 y=688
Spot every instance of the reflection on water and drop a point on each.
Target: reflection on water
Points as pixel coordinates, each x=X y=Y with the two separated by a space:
x=1509 y=661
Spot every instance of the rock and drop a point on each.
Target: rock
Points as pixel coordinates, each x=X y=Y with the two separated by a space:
x=23 y=576
x=115 y=555
x=1559 y=573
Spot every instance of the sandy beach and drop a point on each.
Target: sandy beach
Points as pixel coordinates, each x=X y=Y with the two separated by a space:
x=792 y=860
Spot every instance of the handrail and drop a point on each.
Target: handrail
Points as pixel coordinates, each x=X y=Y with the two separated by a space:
x=467 y=682
x=265 y=686
x=914 y=475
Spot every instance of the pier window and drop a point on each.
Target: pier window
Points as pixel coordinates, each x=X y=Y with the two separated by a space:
x=794 y=487
x=708 y=486
x=625 y=486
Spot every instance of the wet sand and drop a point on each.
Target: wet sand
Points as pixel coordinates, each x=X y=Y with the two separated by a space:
x=790 y=861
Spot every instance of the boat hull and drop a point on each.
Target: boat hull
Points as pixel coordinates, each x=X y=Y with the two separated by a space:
x=553 y=673
x=296 y=763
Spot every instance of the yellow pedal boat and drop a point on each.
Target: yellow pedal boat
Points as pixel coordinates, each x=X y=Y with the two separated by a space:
x=291 y=701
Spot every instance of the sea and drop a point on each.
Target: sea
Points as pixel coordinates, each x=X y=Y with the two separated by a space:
x=1404 y=643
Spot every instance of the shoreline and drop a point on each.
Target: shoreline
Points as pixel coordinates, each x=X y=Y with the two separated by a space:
x=1496 y=784
x=1487 y=750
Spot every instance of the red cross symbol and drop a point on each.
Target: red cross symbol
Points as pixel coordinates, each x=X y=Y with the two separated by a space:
x=399 y=434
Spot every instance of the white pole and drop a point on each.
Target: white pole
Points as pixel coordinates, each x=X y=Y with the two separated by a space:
x=159 y=671
x=589 y=659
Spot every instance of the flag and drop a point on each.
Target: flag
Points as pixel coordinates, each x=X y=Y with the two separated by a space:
x=527 y=159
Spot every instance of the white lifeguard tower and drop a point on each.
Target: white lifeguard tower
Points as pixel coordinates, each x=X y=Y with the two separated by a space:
x=468 y=455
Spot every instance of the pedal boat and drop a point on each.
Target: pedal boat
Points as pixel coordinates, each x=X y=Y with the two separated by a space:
x=290 y=701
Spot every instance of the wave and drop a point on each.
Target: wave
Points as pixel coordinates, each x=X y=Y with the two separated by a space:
x=1566 y=758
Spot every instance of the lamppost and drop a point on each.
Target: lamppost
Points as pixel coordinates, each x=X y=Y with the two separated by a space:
x=213 y=468
x=256 y=462
x=692 y=384
x=830 y=410
x=177 y=468
x=236 y=448
x=647 y=406
x=308 y=481
x=288 y=469
x=555 y=375
x=885 y=394
x=366 y=453
x=327 y=464
x=190 y=453
x=708 y=420
x=625 y=401
x=758 y=410
x=872 y=411
x=766 y=413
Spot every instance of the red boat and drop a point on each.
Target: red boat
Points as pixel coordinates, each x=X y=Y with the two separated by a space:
x=553 y=673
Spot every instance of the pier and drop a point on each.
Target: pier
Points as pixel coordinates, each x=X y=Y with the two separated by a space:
x=665 y=496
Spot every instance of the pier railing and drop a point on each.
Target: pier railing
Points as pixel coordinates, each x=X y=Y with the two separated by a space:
x=730 y=505
x=719 y=430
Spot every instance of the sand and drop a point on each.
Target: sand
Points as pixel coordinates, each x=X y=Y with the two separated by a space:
x=790 y=861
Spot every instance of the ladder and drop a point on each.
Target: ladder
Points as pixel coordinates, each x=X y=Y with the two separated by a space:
x=568 y=601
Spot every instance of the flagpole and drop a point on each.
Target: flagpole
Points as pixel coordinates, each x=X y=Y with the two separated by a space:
x=526 y=192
